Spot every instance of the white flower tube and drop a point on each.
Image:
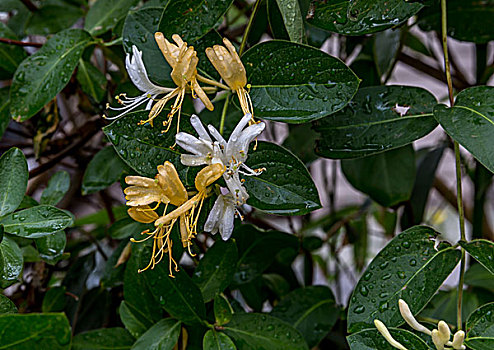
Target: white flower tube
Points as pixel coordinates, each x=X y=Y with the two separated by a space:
x=221 y=216
x=385 y=333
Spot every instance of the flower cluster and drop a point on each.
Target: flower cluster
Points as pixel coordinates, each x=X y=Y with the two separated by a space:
x=440 y=336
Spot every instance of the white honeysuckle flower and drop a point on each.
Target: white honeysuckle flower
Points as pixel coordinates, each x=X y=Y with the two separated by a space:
x=231 y=153
x=221 y=216
x=138 y=74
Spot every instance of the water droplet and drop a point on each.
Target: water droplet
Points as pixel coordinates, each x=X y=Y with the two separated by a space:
x=359 y=309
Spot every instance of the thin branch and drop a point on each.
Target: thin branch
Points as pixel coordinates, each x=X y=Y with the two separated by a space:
x=31 y=7
x=19 y=43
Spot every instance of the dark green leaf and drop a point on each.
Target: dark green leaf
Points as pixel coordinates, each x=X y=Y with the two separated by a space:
x=103 y=170
x=223 y=311
x=377 y=119
x=113 y=272
x=7 y=306
x=44 y=74
x=4 y=109
x=292 y=18
x=35 y=331
x=386 y=48
x=312 y=310
x=471 y=122
x=133 y=319
x=51 y=247
x=55 y=300
x=126 y=227
x=215 y=270
x=13 y=180
x=11 y=263
x=371 y=339
x=42 y=21
x=480 y=343
x=103 y=339
x=10 y=55
x=480 y=328
x=105 y=14
x=92 y=81
x=295 y=83
x=482 y=250
x=285 y=187
x=37 y=221
x=263 y=332
x=57 y=187
x=217 y=341
x=387 y=177
x=301 y=140
x=162 y=336
x=408 y=268
x=362 y=16
x=479 y=276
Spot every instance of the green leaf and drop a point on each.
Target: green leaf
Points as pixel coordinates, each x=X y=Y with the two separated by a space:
x=408 y=268
x=223 y=311
x=470 y=122
x=479 y=276
x=37 y=221
x=10 y=55
x=387 y=177
x=468 y=20
x=386 y=47
x=133 y=319
x=263 y=332
x=144 y=147
x=292 y=18
x=7 y=306
x=92 y=81
x=482 y=250
x=285 y=187
x=362 y=16
x=103 y=339
x=41 y=76
x=191 y=19
x=51 y=247
x=4 y=109
x=312 y=310
x=35 y=331
x=103 y=170
x=215 y=270
x=11 y=263
x=162 y=336
x=105 y=14
x=126 y=227
x=378 y=118
x=13 y=180
x=217 y=341
x=480 y=328
x=42 y=21
x=57 y=187
x=371 y=339
x=55 y=300
x=286 y=88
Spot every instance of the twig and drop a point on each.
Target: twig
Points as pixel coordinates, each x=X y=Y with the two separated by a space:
x=19 y=43
x=31 y=7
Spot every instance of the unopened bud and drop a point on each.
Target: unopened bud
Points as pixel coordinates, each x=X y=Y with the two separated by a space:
x=409 y=319
x=458 y=339
x=385 y=333
x=444 y=332
x=436 y=339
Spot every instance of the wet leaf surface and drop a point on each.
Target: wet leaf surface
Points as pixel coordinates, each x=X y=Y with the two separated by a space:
x=371 y=339
x=162 y=336
x=13 y=180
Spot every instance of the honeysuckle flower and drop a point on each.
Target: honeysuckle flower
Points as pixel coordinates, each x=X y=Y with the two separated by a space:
x=221 y=216
x=168 y=189
x=385 y=333
x=231 y=69
x=231 y=153
x=458 y=340
x=138 y=74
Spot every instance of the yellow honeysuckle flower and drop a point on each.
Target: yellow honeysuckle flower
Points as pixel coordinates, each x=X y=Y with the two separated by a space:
x=167 y=188
x=228 y=64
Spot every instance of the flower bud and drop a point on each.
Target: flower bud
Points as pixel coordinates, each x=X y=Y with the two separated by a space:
x=458 y=339
x=436 y=339
x=444 y=332
x=409 y=319
x=385 y=333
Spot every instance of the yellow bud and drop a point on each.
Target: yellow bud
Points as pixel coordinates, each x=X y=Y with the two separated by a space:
x=444 y=332
x=143 y=214
x=208 y=175
x=458 y=339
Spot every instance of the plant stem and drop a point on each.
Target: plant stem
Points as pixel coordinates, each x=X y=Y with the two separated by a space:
x=223 y=114
x=249 y=25
x=444 y=28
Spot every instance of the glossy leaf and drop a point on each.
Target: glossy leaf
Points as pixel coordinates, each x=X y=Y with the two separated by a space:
x=41 y=22
x=133 y=319
x=482 y=250
x=371 y=339
x=13 y=180
x=285 y=87
x=51 y=247
x=387 y=177
x=7 y=306
x=92 y=81
x=162 y=336
x=37 y=221
x=55 y=300
x=263 y=332
x=470 y=122
x=11 y=263
x=35 y=331
x=41 y=76
x=408 y=268
x=57 y=187
x=104 y=15
x=103 y=339
x=126 y=227
x=312 y=310
x=292 y=18
x=285 y=187
x=385 y=49
x=217 y=341
x=103 y=170
x=378 y=118
x=10 y=55
x=223 y=311
x=215 y=270
x=4 y=109
x=480 y=328
x=362 y=16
